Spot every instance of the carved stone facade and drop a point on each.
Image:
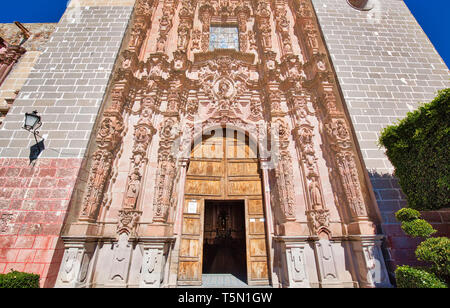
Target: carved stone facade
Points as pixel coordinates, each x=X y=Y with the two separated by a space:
x=157 y=113
x=168 y=90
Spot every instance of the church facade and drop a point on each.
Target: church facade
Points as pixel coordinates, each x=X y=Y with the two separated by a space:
x=190 y=138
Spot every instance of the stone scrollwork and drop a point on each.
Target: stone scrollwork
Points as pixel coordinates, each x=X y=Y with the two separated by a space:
x=128 y=220
x=224 y=80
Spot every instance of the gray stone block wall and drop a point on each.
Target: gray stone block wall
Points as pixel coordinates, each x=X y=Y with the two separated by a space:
x=386 y=66
x=68 y=83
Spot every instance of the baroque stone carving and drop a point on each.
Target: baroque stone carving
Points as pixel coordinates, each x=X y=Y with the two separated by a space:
x=283 y=26
x=109 y=135
x=283 y=171
x=143 y=133
x=186 y=21
x=263 y=14
x=337 y=131
x=223 y=80
x=166 y=169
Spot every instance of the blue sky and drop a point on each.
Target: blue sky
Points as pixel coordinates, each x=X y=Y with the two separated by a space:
x=432 y=15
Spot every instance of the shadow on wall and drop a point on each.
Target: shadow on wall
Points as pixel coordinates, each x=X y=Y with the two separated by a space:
x=36 y=150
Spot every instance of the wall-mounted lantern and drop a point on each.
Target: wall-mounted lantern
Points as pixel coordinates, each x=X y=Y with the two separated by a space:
x=32 y=123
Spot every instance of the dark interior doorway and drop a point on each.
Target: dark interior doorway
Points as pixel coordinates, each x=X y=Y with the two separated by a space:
x=224 y=242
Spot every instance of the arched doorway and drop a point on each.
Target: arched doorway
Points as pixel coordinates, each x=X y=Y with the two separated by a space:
x=223 y=225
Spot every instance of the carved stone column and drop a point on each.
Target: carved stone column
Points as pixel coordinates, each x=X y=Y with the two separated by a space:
x=143 y=135
x=370 y=262
x=283 y=170
x=205 y=14
x=144 y=11
x=108 y=140
x=283 y=26
x=165 y=24
x=75 y=269
x=262 y=16
x=186 y=22
x=170 y=131
x=242 y=13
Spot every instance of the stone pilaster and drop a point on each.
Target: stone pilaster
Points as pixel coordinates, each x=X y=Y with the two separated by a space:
x=76 y=263
x=371 y=267
x=155 y=253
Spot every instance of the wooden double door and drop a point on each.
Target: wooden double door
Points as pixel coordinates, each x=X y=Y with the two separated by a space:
x=223 y=166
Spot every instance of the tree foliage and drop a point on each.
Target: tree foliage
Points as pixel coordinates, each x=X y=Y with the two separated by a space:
x=19 y=280
x=418 y=146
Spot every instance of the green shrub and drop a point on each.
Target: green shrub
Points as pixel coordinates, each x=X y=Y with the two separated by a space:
x=418 y=227
x=436 y=250
x=19 y=280
x=408 y=277
x=407 y=214
x=418 y=147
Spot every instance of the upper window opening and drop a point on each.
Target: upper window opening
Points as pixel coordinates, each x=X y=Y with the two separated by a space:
x=224 y=38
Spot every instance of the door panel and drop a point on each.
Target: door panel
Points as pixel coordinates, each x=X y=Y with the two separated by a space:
x=258 y=271
x=206 y=168
x=202 y=187
x=256 y=243
x=242 y=169
x=189 y=248
x=223 y=167
x=244 y=188
x=190 y=262
x=255 y=207
x=191 y=226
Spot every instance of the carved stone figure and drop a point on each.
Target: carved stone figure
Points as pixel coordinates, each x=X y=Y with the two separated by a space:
x=133 y=190
x=316 y=194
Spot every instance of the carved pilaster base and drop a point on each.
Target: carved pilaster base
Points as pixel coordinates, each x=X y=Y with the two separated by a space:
x=155 y=253
x=328 y=274
x=371 y=267
x=120 y=264
x=75 y=267
x=297 y=276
